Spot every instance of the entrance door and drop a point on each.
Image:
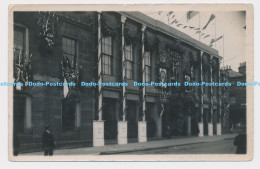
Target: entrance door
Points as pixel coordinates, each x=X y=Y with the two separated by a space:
x=132 y=118
x=68 y=114
x=19 y=114
x=205 y=121
x=151 y=124
x=109 y=115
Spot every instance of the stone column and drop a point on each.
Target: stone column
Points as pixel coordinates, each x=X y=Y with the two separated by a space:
x=78 y=114
x=122 y=125
x=28 y=114
x=142 y=137
x=189 y=115
x=210 y=122
x=201 y=98
x=98 y=125
x=220 y=104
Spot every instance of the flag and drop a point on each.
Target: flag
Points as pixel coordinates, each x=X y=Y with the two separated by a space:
x=218 y=38
x=210 y=19
x=171 y=12
x=206 y=36
x=191 y=14
x=212 y=41
x=174 y=21
x=197 y=32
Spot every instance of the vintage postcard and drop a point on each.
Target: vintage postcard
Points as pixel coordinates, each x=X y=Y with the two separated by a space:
x=148 y=82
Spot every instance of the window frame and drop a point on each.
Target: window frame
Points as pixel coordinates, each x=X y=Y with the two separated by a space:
x=107 y=55
x=26 y=51
x=131 y=61
x=147 y=66
x=76 y=49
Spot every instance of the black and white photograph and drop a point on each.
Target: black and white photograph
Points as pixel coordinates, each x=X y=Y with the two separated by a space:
x=137 y=83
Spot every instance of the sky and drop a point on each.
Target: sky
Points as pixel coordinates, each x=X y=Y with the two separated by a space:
x=227 y=24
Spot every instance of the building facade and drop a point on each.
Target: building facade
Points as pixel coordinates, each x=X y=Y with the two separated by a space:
x=117 y=47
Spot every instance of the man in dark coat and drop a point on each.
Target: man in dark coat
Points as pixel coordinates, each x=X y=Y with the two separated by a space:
x=47 y=141
x=16 y=144
x=240 y=140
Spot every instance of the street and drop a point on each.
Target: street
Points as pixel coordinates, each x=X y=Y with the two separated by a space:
x=188 y=145
x=225 y=146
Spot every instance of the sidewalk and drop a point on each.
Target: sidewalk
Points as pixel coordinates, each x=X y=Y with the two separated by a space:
x=131 y=147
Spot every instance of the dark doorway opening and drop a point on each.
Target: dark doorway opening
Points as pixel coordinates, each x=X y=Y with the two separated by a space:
x=205 y=121
x=151 y=124
x=132 y=118
x=68 y=114
x=109 y=116
x=19 y=113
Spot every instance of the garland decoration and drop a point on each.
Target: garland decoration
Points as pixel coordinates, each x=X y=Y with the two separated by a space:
x=150 y=42
x=47 y=22
x=22 y=67
x=132 y=38
x=109 y=29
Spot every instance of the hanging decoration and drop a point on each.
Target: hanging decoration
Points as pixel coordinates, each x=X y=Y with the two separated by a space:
x=132 y=38
x=150 y=42
x=22 y=67
x=70 y=74
x=111 y=29
x=47 y=22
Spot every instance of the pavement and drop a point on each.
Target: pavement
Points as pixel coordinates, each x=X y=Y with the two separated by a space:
x=133 y=147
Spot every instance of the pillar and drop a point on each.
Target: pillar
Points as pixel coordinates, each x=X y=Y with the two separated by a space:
x=98 y=125
x=28 y=114
x=122 y=125
x=210 y=122
x=78 y=114
x=142 y=132
x=201 y=98
x=220 y=104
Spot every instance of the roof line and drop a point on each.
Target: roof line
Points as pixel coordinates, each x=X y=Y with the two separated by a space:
x=154 y=24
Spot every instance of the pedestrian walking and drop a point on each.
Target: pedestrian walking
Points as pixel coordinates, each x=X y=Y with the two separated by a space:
x=47 y=141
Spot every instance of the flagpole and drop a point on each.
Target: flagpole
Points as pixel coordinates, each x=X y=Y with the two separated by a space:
x=223 y=50
x=215 y=30
x=168 y=18
x=199 y=26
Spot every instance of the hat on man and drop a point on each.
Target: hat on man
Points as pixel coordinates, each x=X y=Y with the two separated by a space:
x=46 y=126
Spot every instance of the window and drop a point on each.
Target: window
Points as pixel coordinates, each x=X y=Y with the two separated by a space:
x=106 y=55
x=129 y=61
x=69 y=50
x=19 y=43
x=147 y=63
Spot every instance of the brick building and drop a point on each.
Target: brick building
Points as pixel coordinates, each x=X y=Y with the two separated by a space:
x=237 y=95
x=110 y=47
